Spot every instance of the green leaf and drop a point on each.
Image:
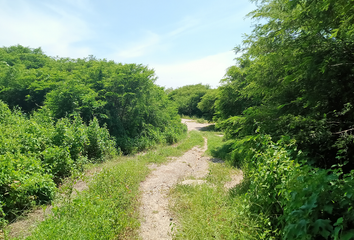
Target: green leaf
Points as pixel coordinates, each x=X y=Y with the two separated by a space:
x=328 y=208
x=339 y=222
x=349 y=235
x=323 y=227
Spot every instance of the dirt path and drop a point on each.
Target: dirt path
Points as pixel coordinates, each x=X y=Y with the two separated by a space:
x=156 y=218
x=193 y=125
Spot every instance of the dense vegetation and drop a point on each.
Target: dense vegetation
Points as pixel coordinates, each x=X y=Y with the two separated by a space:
x=36 y=153
x=186 y=99
x=123 y=96
x=56 y=114
x=108 y=209
x=287 y=111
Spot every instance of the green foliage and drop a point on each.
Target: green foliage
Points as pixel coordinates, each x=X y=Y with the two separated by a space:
x=100 y=143
x=187 y=98
x=64 y=104
x=230 y=100
x=72 y=97
x=122 y=96
x=311 y=213
x=107 y=210
x=291 y=199
x=23 y=183
x=294 y=78
x=36 y=153
x=207 y=104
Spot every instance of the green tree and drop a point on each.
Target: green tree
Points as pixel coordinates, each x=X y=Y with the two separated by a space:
x=207 y=104
x=299 y=76
x=188 y=97
x=72 y=97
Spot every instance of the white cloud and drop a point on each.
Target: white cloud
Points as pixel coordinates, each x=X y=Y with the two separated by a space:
x=21 y=23
x=141 y=47
x=185 y=24
x=151 y=43
x=208 y=70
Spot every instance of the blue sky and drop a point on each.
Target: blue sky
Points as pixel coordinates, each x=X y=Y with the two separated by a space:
x=186 y=42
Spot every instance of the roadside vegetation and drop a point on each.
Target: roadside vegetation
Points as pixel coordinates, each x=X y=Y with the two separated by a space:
x=286 y=109
x=36 y=153
x=187 y=98
x=109 y=208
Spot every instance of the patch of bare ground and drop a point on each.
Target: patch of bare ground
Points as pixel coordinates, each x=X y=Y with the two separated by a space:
x=236 y=178
x=193 y=125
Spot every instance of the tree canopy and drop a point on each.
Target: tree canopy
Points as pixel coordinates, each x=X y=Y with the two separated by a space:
x=188 y=97
x=122 y=96
x=295 y=77
x=287 y=111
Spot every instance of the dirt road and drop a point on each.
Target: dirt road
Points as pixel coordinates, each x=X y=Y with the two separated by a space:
x=193 y=125
x=155 y=215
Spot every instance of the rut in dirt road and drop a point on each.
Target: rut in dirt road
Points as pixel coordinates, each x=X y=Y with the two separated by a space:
x=156 y=219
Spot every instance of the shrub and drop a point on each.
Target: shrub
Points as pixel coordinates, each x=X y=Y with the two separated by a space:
x=321 y=205
x=36 y=153
x=294 y=200
x=100 y=143
x=23 y=183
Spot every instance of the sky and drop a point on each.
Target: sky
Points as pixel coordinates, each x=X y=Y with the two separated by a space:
x=186 y=42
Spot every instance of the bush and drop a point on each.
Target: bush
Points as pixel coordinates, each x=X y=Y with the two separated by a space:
x=58 y=162
x=321 y=205
x=23 y=183
x=36 y=153
x=291 y=199
x=100 y=143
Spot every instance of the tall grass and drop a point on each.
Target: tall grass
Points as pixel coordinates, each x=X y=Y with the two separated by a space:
x=109 y=209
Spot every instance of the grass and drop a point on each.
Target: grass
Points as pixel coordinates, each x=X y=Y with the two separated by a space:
x=209 y=211
x=109 y=209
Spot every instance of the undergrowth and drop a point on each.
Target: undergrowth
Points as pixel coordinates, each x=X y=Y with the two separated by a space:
x=286 y=197
x=36 y=153
x=109 y=209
